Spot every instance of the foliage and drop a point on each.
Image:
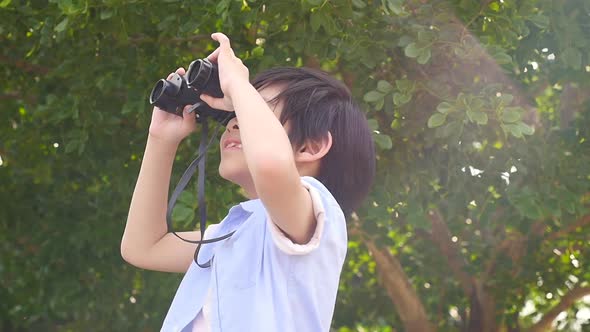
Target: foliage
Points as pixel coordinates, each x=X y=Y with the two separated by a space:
x=479 y=110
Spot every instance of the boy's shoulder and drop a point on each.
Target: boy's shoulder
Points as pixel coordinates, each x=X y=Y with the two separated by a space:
x=311 y=184
x=318 y=191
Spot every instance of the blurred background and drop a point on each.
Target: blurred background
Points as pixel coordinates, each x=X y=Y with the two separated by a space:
x=479 y=216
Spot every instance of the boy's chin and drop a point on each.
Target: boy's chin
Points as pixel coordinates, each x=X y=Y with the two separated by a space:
x=234 y=175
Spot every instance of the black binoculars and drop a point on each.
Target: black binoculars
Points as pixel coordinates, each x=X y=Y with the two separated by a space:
x=202 y=76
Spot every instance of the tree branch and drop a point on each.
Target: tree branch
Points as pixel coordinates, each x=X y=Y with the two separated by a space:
x=571 y=102
x=441 y=236
x=482 y=307
x=583 y=221
x=566 y=301
x=135 y=40
x=23 y=65
x=405 y=299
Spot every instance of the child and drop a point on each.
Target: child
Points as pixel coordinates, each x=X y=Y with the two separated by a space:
x=302 y=151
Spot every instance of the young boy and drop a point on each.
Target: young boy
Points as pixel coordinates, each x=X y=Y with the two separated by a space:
x=302 y=151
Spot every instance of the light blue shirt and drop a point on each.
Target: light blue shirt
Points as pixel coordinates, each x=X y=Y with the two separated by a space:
x=256 y=286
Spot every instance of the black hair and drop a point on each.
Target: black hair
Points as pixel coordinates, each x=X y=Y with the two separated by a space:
x=315 y=103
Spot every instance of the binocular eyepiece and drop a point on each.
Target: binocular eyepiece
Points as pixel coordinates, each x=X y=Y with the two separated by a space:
x=202 y=76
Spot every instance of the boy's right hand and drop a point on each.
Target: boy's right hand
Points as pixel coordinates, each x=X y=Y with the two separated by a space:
x=171 y=128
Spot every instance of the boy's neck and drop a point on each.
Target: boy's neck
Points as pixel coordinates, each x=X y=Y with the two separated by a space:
x=307 y=169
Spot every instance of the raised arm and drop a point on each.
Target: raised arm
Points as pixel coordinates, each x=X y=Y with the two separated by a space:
x=266 y=147
x=146 y=242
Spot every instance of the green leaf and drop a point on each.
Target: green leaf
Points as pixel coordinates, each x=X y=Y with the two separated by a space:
x=572 y=58
x=62 y=25
x=540 y=21
x=426 y=36
x=187 y=198
x=445 y=107
x=478 y=117
x=436 y=119
x=379 y=104
x=373 y=124
x=494 y=6
x=502 y=58
x=373 y=96
x=315 y=2
x=532 y=211
x=69 y=7
x=412 y=50
x=106 y=14
x=514 y=129
x=506 y=98
x=417 y=217
x=404 y=41
x=182 y=214
x=316 y=20
x=359 y=4
x=526 y=129
x=5 y=3
x=258 y=51
x=384 y=86
x=511 y=114
x=424 y=56
x=400 y=98
x=404 y=85
x=72 y=145
x=396 y=6
x=451 y=128
x=383 y=141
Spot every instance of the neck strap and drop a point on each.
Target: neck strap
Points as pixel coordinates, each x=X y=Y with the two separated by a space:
x=199 y=163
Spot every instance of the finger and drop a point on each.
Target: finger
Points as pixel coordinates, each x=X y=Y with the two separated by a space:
x=222 y=39
x=188 y=118
x=224 y=43
x=213 y=102
x=179 y=71
x=213 y=56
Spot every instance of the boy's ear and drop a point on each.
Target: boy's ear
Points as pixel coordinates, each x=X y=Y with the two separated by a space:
x=315 y=149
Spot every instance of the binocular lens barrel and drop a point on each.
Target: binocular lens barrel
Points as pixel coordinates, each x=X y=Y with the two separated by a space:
x=203 y=76
x=165 y=93
x=157 y=91
x=197 y=75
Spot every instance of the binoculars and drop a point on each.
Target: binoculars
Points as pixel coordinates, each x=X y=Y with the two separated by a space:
x=202 y=76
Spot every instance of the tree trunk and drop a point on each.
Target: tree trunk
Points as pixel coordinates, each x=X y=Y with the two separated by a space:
x=482 y=315
x=400 y=291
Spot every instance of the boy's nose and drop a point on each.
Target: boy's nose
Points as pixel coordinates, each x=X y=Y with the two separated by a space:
x=232 y=125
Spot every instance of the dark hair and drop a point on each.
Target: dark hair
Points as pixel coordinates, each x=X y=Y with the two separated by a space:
x=315 y=103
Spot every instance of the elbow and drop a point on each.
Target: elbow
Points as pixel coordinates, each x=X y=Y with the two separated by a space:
x=127 y=252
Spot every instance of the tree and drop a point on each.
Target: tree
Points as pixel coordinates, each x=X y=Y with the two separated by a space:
x=479 y=109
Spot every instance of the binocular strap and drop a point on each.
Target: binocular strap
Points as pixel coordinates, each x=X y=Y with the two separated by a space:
x=199 y=163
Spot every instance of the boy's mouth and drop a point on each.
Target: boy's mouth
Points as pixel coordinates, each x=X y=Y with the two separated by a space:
x=232 y=144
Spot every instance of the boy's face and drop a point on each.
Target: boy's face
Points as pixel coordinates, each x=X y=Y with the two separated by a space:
x=232 y=166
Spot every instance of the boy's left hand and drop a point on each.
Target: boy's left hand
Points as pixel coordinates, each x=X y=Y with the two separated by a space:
x=232 y=73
